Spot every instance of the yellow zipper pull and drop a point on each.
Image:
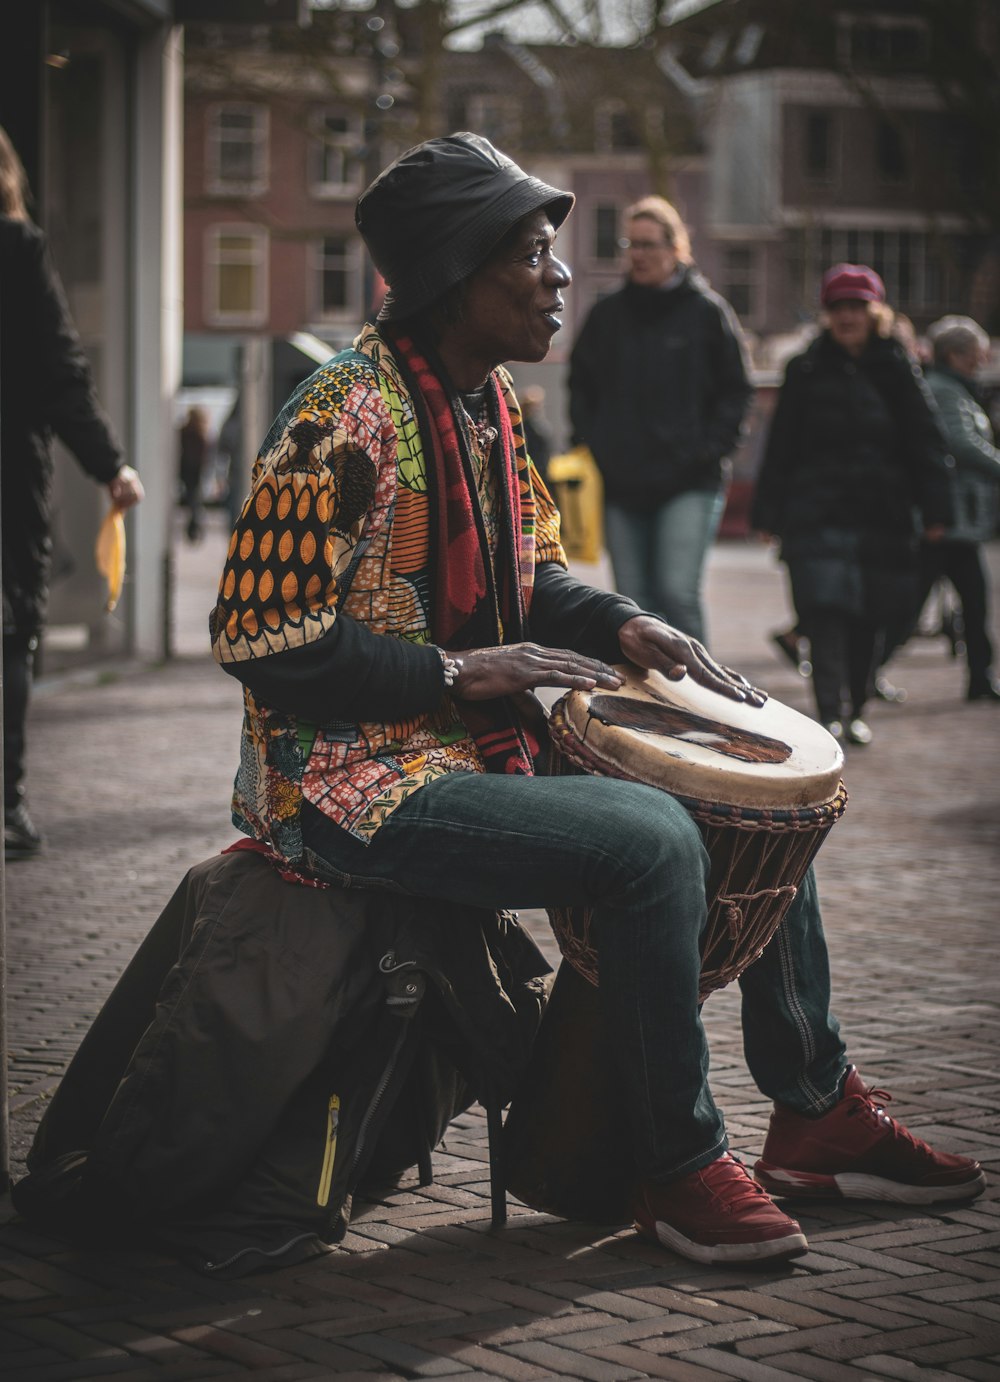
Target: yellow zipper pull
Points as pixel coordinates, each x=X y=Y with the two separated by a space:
x=329 y=1155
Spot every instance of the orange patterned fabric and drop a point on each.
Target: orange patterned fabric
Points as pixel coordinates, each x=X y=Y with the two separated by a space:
x=339 y=503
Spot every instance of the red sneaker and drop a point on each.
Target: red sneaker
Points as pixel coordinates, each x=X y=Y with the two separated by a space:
x=717 y=1214
x=857 y=1152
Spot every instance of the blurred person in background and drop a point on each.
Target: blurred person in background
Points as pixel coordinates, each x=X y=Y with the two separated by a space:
x=855 y=447
x=658 y=392
x=46 y=388
x=230 y=444
x=195 y=448
x=961 y=348
x=536 y=430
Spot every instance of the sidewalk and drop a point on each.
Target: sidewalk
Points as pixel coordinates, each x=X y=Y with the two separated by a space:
x=130 y=777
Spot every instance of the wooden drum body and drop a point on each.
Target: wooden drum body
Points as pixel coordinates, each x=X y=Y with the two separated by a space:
x=763 y=785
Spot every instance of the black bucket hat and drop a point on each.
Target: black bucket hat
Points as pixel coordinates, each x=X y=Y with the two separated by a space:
x=432 y=217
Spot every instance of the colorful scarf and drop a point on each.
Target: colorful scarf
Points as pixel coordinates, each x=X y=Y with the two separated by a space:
x=478 y=601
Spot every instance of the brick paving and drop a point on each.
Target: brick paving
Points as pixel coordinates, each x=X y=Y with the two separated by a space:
x=130 y=778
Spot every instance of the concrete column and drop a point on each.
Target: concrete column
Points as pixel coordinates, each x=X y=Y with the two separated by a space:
x=157 y=327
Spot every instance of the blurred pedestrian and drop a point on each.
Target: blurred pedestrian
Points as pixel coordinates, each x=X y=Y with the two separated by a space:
x=961 y=348
x=658 y=392
x=854 y=447
x=230 y=444
x=46 y=388
x=792 y=643
x=195 y=448
x=536 y=430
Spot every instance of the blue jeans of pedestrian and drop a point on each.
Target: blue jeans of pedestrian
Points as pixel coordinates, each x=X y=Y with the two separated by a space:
x=634 y=855
x=658 y=553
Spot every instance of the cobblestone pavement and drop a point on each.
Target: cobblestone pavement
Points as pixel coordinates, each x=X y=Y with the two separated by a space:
x=130 y=779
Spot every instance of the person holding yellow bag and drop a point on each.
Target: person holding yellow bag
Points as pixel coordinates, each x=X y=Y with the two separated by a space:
x=46 y=388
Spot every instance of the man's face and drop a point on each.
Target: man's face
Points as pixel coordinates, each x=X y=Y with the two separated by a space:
x=850 y=324
x=649 y=257
x=511 y=305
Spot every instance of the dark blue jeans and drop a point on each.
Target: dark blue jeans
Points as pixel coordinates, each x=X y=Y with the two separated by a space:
x=636 y=857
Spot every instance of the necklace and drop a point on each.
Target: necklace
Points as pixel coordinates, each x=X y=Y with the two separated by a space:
x=475 y=406
x=483 y=435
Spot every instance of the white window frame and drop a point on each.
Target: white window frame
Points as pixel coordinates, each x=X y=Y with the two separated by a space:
x=260 y=136
x=350 y=142
x=257 y=315
x=354 y=270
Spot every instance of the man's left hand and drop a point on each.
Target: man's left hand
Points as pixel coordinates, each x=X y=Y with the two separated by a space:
x=656 y=646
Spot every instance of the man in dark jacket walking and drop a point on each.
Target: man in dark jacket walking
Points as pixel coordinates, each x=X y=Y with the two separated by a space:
x=658 y=392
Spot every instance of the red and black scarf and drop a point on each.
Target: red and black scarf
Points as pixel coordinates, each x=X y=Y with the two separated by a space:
x=477 y=599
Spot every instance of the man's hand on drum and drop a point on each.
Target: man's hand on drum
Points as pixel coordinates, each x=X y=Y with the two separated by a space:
x=650 y=643
x=485 y=673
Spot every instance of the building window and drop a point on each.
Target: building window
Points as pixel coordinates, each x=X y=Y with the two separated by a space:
x=819 y=145
x=334 y=153
x=890 y=153
x=238 y=149
x=616 y=128
x=337 y=260
x=606 y=232
x=885 y=44
x=739 y=269
x=963 y=152
x=237 y=272
x=494 y=116
x=919 y=279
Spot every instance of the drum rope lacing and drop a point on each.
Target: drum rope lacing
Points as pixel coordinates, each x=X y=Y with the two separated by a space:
x=740 y=923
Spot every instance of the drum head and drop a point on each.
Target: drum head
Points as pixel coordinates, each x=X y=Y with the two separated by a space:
x=699 y=744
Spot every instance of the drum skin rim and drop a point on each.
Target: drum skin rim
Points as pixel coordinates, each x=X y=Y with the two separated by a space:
x=691 y=765
x=570 y=746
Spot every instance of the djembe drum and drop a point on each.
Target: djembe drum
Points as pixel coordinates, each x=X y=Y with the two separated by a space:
x=763 y=785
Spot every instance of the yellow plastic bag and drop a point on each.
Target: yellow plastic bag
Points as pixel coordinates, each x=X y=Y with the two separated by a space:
x=576 y=486
x=109 y=554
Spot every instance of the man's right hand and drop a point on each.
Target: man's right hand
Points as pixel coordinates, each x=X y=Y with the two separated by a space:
x=487 y=673
x=126 y=489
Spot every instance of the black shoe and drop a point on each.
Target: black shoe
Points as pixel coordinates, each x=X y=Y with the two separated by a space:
x=988 y=690
x=795 y=649
x=953 y=628
x=858 y=733
x=836 y=728
x=20 y=838
x=885 y=691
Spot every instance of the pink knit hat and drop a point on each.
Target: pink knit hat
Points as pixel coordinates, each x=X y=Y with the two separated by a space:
x=855 y=282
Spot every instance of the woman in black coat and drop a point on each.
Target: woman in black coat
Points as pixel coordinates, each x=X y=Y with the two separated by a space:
x=854 y=452
x=46 y=388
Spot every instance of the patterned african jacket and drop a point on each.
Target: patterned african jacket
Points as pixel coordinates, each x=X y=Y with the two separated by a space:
x=338 y=522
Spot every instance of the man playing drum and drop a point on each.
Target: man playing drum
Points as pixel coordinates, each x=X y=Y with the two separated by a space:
x=395 y=587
